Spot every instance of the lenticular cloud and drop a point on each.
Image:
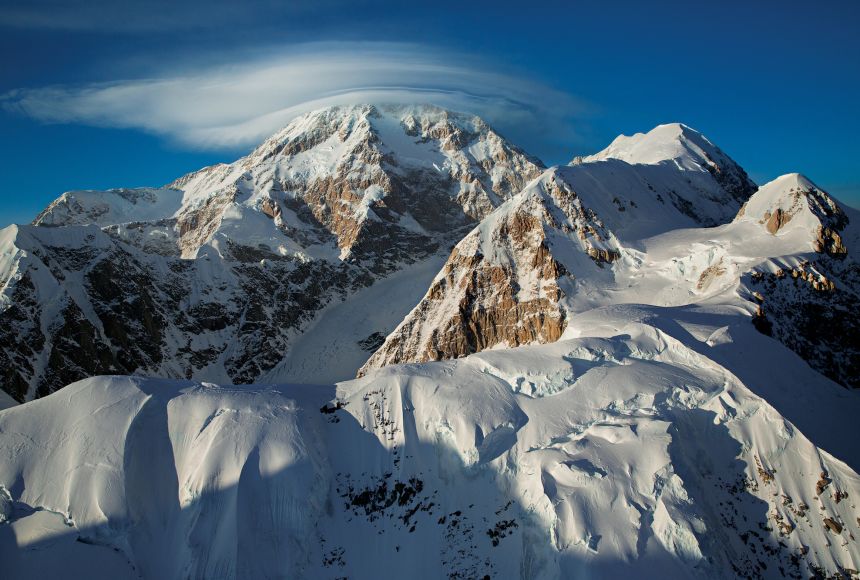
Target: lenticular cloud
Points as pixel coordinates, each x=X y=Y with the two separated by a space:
x=236 y=104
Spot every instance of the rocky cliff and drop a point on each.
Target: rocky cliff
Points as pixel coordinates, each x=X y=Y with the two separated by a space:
x=503 y=283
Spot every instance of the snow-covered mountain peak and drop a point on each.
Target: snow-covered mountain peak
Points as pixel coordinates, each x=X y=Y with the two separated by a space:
x=220 y=273
x=311 y=129
x=113 y=206
x=392 y=127
x=791 y=189
x=327 y=183
x=682 y=147
x=669 y=142
x=793 y=205
x=553 y=204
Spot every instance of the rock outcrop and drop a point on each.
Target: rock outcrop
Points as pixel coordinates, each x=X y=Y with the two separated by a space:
x=503 y=285
x=814 y=309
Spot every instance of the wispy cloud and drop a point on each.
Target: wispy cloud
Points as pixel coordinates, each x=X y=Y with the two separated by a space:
x=236 y=104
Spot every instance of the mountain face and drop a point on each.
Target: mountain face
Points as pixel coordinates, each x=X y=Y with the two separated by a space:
x=563 y=247
x=807 y=301
x=381 y=184
x=217 y=275
x=571 y=242
x=693 y=182
x=503 y=283
x=632 y=365
x=799 y=281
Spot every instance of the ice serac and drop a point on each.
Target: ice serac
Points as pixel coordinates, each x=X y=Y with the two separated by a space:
x=810 y=302
x=504 y=283
x=218 y=275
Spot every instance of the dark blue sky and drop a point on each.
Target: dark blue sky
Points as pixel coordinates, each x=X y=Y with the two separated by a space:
x=124 y=93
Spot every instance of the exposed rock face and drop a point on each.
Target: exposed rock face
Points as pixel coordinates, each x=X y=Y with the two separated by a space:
x=489 y=312
x=110 y=308
x=20 y=326
x=216 y=275
x=777 y=220
x=829 y=241
x=502 y=285
x=813 y=307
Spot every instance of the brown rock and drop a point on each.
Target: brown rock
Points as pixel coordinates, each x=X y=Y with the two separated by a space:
x=833 y=525
x=823 y=482
x=775 y=221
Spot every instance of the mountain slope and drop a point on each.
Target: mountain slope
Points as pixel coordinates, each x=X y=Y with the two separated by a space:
x=218 y=275
x=601 y=456
x=810 y=303
x=739 y=265
x=503 y=283
x=669 y=178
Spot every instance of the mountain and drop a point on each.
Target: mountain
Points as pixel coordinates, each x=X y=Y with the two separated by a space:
x=639 y=364
x=503 y=283
x=669 y=178
x=511 y=280
x=361 y=178
x=685 y=148
x=611 y=229
x=217 y=275
x=605 y=456
x=503 y=290
x=809 y=301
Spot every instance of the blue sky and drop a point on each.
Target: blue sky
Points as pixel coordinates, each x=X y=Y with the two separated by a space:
x=110 y=93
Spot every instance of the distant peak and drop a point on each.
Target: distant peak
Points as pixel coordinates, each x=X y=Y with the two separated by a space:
x=667 y=142
x=402 y=129
x=374 y=111
x=680 y=128
x=784 y=187
x=363 y=120
x=796 y=199
x=789 y=180
x=683 y=148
